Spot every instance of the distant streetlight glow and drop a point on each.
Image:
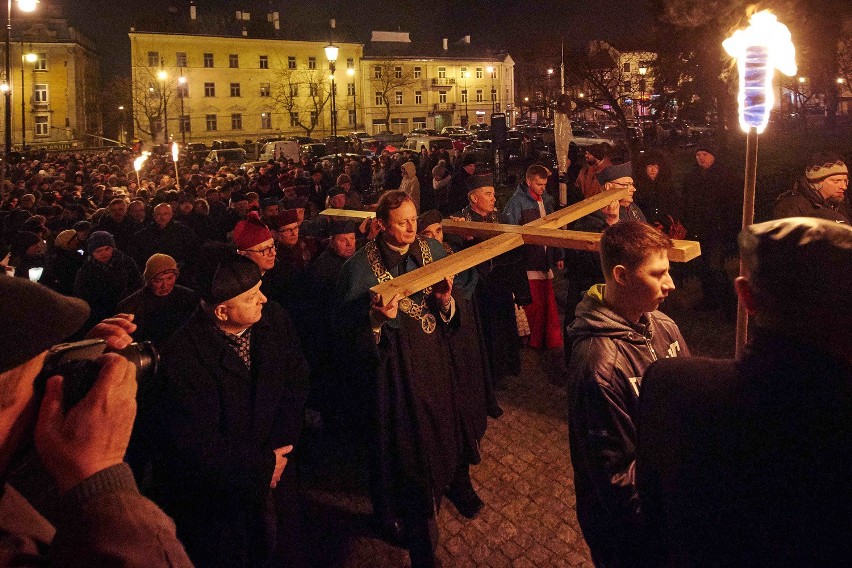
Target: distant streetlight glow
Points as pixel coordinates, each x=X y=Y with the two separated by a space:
x=27 y=5
x=30 y=57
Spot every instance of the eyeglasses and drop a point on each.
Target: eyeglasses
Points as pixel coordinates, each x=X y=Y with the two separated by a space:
x=268 y=251
x=622 y=185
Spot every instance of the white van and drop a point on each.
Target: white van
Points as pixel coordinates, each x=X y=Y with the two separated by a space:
x=416 y=143
x=280 y=150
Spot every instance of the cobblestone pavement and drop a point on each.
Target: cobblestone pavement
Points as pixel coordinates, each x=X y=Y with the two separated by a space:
x=525 y=476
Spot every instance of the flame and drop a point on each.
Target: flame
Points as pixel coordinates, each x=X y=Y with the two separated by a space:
x=137 y=163
x=761 y=48
x=175 y=152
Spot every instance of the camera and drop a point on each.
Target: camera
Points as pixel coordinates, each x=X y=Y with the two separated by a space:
x=77 y=364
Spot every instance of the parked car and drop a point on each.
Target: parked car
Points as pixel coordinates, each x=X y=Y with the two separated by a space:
x=584 y=138
x=224 y=144
x=423 y=132
x=278 y=150
x=196 y=151
x=229 y=155
x=450 y=130
x=313 y=150
x=482 y=150
x=360 y=141
x=417 y=143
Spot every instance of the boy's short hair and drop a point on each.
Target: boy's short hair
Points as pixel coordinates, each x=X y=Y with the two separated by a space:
x=629 y=243
x=537 y=171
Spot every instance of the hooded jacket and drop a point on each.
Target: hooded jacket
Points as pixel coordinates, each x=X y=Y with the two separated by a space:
x=520 y=210
x=608 y=357
x=410 y=184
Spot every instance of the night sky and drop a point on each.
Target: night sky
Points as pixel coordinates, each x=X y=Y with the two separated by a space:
x=527 y=29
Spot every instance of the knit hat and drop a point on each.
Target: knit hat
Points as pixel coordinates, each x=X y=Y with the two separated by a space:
x=99 y=239
x=26 y=306
x=428 y=218
x=250 y=232
x=63 y=239
x=286 y=217
x=233 y=275
x=476 y=181
x=439 y=171
x=821 y=167
x=611 y=173
x=157 y=264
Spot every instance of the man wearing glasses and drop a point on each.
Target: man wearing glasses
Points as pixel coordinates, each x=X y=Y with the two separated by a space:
x=614 y=177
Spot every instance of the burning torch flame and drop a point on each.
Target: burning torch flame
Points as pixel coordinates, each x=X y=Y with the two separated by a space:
x=761 y=48
x=137 y=163
x=176 y=151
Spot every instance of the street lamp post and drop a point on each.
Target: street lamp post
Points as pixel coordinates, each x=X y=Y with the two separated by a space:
x=28 y=58
x=331 y=52
x=466 y=98
x=24 y=6
x=642 y=72
x=490 y=70
x=162 y=76
x=527 y=103
x=121 y=135
x=351 y=72
x=547 y=98
x=181 y=87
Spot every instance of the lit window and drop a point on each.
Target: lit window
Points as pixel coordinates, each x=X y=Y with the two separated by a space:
x=265 y=89
x=265 y=121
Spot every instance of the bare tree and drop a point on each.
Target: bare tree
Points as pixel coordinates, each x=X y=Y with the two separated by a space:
x=300 y=91
x=388 y=77
x=152 y=97
x=600 y=79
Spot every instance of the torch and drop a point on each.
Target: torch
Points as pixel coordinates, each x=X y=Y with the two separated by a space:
x=761 y=48
x=137 y=165
x=175 y=156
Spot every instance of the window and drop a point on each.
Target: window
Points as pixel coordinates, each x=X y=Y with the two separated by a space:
x=479 y=72
x=350 y=89
x=397 y=72
x=42 y=125
x=314 y=117
x=234 y=61
x=264 y=62
x=442 y=96
x=235 y=89
x=184 y=123
x=418 y=97
x=352 y=116
x=442 y=72
x=265 y=121
x=479 y=95
x=399 y=125
x=183 y=89
x=313 y=88
x=153 y=59
x=294 y=119
x=180 y=59
x=628 y=85
x=626 y=67
x=294 y=90
x=210 y=119
x=236 y=121
x=209 y=89
x=399 y=97
x=208 y=60
x=462 y=72
x=464 y=95
x=265 y=89
x=377 y=72
x=380 y=99
x=40 y=93
x=312 y=62
x=350 y=63
x=419 y=122
x=493 y=95
x=41 y=64
x=291 y=62
x=493 y=72
x=417 y=72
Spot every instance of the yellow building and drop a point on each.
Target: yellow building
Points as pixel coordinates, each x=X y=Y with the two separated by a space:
x=54 y=81
x=408 y=85
x=237 y=78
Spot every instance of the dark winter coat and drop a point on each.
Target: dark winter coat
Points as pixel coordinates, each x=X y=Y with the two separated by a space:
x=804 y=201
x=103 y=286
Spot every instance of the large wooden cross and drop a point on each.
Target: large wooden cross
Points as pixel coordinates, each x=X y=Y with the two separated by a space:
x=502 y=238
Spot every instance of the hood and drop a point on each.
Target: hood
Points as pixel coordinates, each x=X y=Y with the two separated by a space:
x=410 y=169
x=595 y=318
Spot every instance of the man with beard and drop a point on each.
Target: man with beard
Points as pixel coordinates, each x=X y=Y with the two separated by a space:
x=617 y=334
x=397 y=348
x=597 y=160
x=820 y=193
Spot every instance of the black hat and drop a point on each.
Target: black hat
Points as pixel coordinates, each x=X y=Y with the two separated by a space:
x=26 y=306
x=468 y=159
x=22 y=241
x=99 y=239
x=336 y=190
x=476 y=181
x=342 y=228
x=428 y=218
x=268 y=202
x=233 y=275
x=612 y=173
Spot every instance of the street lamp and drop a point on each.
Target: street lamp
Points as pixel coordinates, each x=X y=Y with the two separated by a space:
x=466 y=98
x=351 y=72
x=547 y=98
x=162 y=76
x=490 y=70
x=642 y=72
x=331 y=52
x=28 y=58
x=181 y=87
x=24 y=6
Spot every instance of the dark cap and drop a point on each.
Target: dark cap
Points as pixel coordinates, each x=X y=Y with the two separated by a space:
x=336 y=190
x=612 y=173
x=476 y=181
x=233 y=275
x=428 y=218
x=286 y=217
x=342 y=228
x=468 y=159
x=26 y=306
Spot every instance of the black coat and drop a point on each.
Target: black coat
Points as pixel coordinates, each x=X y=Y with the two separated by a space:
x=103 y=286
x=176 y=240
x=219 y=424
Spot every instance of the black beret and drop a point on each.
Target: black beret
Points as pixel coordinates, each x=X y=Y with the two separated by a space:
x=476 y=181
x=342 y=228
x=428 y=218
x=233 y=275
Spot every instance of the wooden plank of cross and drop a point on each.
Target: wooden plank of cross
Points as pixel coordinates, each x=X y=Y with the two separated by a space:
x=503 y=238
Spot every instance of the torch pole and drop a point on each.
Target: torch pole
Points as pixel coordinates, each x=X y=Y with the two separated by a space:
x=748 y=219
x=177 y=176
x=138 y=181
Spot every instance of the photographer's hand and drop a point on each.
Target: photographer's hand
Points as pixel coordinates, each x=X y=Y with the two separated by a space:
x=94 y=434
x=115 y=331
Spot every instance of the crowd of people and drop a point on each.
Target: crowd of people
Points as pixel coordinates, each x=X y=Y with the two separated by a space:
x=261 y=307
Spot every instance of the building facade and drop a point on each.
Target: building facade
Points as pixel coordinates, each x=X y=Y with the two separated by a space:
x=54 y=81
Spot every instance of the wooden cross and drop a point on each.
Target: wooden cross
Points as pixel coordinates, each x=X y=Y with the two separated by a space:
x=502 y=238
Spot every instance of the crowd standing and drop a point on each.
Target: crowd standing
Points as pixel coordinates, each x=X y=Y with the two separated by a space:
x=261 y=307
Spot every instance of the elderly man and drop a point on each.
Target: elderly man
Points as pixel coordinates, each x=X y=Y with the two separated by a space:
x=232 y=411
x=820 y=193
x=613 y=177
x=119 y=224
x=617 y=334
x=746 y=462
x=165 y=236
